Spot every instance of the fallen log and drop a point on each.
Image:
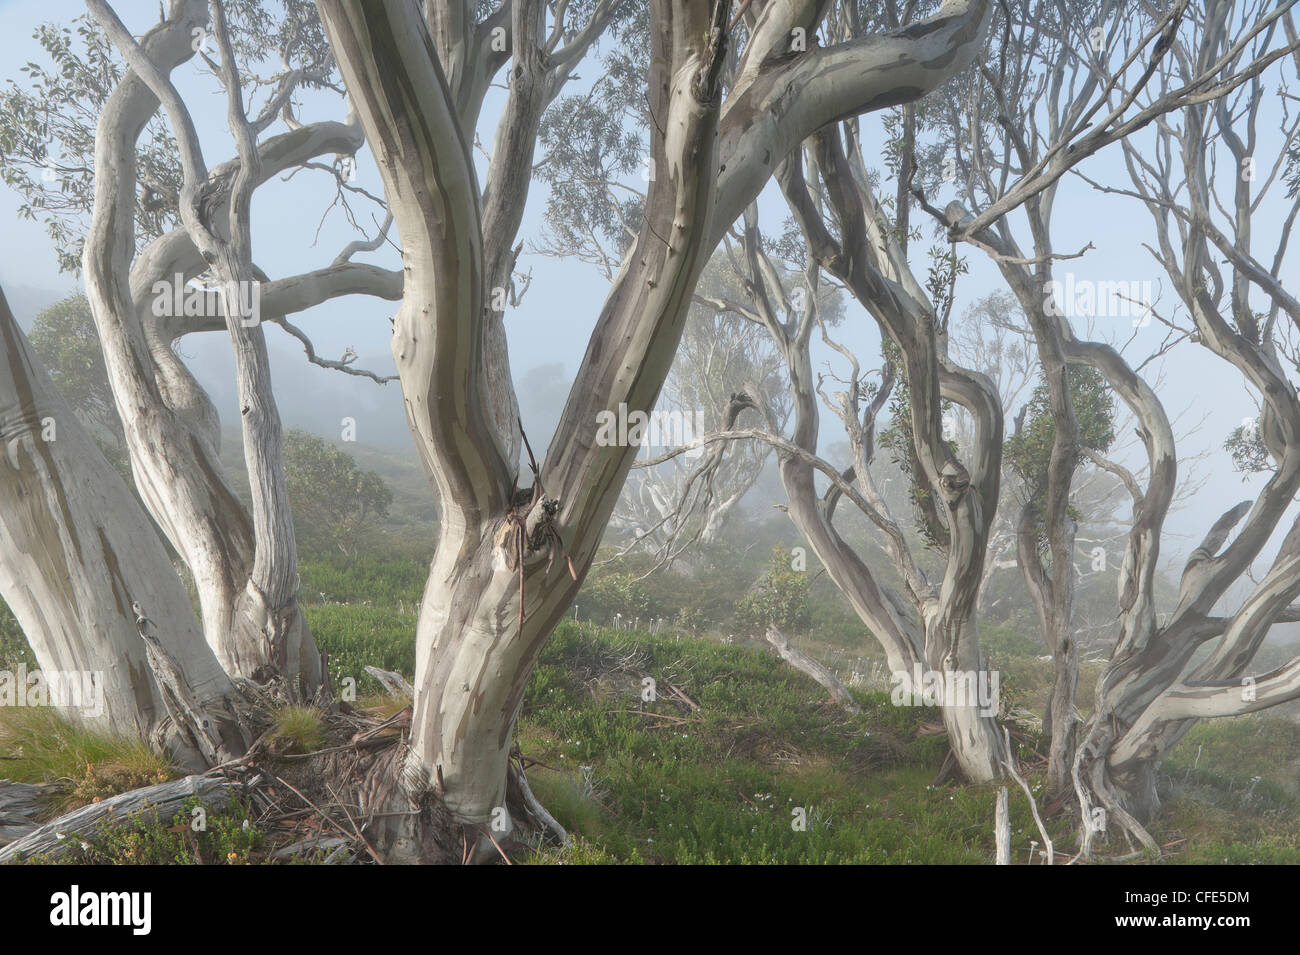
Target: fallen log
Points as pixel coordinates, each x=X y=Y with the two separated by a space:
x=20 y=803
x=161 y=802
x=807 y=665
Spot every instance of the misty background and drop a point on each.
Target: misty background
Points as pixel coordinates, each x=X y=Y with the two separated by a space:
x=295 y=230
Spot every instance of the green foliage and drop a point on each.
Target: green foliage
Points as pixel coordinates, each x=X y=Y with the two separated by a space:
x=597 y=137
x=779 y=598
x=48 y=122
x=335 y=503
x=65 y=338
x=945 y=266
x=898 y=440
x=13 y=645
x=47 y=129
x=692 y=620
x=229 y=838
x=1247 y=449
x=615 y=595
x=1029 y=451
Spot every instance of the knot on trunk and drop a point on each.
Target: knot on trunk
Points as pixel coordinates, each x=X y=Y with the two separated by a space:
x=527 y=528
x=954 y=481
x=538 y=521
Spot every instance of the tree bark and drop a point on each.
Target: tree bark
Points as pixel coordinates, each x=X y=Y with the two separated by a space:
x=483 y=618
x=76 y=553
x=244 y=571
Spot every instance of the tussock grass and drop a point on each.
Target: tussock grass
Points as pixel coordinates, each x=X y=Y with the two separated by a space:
x=298 y=729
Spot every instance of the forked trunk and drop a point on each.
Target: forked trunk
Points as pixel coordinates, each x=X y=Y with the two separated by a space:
x=473 y=654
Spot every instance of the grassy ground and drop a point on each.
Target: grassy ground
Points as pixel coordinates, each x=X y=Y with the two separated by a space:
x=738 y=759
x=730 y=782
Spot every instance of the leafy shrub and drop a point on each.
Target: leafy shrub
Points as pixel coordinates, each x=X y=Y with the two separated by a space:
x=229 y=838
x=613 y=594
x=779 y=598
x=335 y=503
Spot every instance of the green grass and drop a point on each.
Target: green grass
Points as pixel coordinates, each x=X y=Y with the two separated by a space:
x=358 y=636
x=366 y=580
x=41 y=746
x=1234 y=793
x=298 y=729
x=649 y=782
x=658 y=783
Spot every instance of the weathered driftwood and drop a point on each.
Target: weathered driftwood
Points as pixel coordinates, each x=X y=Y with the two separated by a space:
x=19 y=802
x=1002 y=828
x=10 y=834
x=806 y=664
x=1029 y=794
x=19 y=805
x=517 y=785
x=157 y=802
x=315 y=844
x=394 y=683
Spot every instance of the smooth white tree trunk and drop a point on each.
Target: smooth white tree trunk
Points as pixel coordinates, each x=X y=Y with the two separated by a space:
x=76 y=553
